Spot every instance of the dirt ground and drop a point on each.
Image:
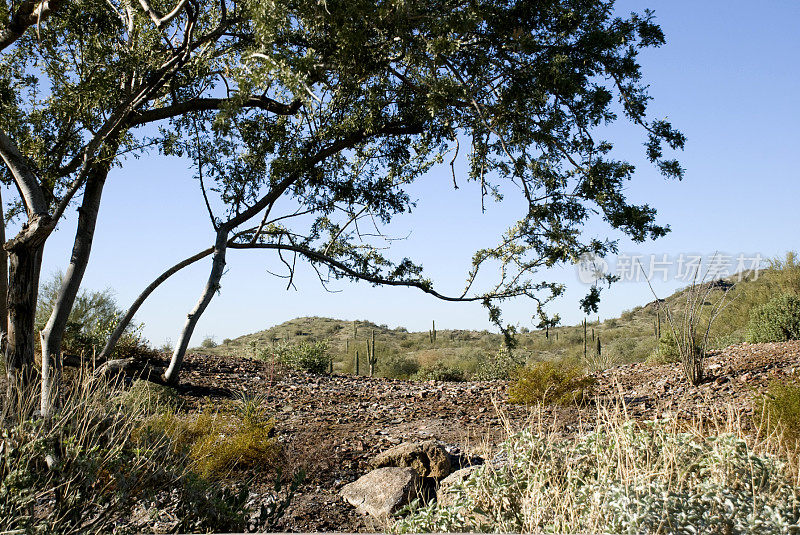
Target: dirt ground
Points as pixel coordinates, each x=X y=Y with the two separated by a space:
x=333 y=425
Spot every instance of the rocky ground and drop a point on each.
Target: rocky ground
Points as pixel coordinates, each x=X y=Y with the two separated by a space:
x=334 y=425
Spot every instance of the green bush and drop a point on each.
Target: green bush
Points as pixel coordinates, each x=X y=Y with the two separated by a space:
x=308 y=356
x=440 y=372
x=398 y=367
x=208 y=343
x=502 y=365
x=93 y=318
x=622 y=478
x=667 y=351
x=548 y=382
x=776 y=321
x=778 y=412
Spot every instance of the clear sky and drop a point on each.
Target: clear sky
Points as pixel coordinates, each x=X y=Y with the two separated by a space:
x=728 y=78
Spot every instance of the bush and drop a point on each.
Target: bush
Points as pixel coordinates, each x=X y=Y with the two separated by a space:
x=776 y=321
x=399 y=367
x=622 y=478
x=208 y=343
x=218 y=444
x=548 y=382
x=667 y=351
x=777 y=413
x=93 y=318
x=502 y=365
x=440 y=372
x=308 y=356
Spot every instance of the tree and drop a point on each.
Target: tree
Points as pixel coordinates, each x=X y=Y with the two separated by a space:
x=307 y=119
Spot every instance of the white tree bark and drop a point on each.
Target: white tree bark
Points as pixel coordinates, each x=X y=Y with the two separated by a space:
x=53 y=333
x=212 y=286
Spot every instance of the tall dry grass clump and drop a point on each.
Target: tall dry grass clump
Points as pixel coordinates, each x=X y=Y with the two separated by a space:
x=92 y=468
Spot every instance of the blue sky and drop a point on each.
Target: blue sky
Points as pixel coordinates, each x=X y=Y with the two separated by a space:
x=728 y=78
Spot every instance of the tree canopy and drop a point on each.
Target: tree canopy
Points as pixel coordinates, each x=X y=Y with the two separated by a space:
x=303 y=117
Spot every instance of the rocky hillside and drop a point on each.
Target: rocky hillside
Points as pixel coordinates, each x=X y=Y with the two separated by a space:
x=334 y=426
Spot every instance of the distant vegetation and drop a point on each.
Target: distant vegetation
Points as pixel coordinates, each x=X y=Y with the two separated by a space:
x=638 y=335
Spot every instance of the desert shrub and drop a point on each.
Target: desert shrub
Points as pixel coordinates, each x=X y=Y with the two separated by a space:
x=308 y=356
x=502 y=365
x=91 y=467
x=208 y=343
x=666 y=352
x=439 y=371
x=777 y=413
x=167 y=347
x=398 y=367
x=94 y=316
x=234 y=446
x=549 y=382
x=218 y=444
x=776 y=321
x=622 y=478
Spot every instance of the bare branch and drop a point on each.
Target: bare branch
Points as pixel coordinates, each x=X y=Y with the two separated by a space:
x=30 y=12
x=343 y=268
x=158 y=20
x=24 y=177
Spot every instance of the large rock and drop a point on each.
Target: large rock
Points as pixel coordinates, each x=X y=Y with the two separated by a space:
x=382 y=492
x=445 y=495
x=427 y=458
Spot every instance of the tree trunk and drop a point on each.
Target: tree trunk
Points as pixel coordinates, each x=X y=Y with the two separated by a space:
x=128 y=317
x=53 y=333
x=212 y=286
x=23 y=290
x=3 y=280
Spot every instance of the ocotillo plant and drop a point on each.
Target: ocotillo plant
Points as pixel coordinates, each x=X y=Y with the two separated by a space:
x=371 y=358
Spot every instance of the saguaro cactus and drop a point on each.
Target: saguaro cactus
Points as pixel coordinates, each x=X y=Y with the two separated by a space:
x=356 y=361
x=371 y=358
x=432 y=332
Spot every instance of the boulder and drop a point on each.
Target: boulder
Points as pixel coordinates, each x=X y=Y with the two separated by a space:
x=444 y=495
x=427 y=458
x=383 y=491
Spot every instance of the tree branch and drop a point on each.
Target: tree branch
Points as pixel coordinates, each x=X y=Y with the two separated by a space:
x=316 y=256
x=24 y=177
x=211 y=104
x=30 y=12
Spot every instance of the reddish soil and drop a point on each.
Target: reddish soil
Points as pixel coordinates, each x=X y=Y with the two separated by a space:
x=333 y=425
